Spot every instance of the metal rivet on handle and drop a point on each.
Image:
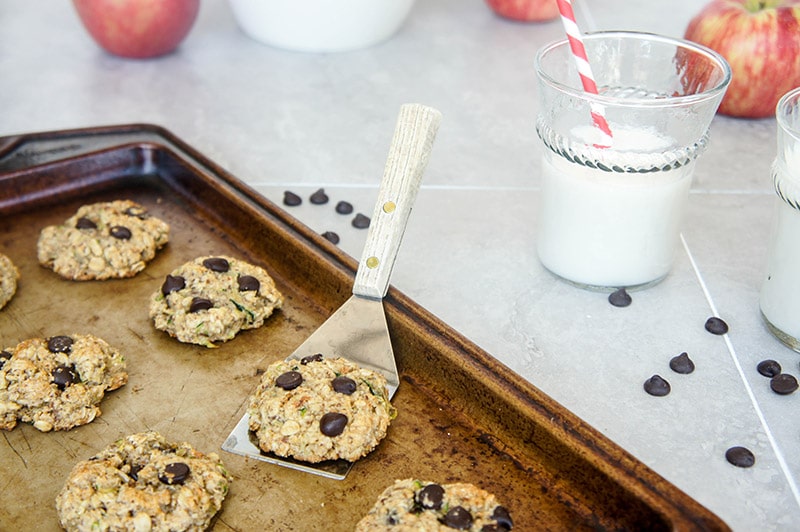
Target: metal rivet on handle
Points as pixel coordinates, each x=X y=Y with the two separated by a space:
x=372 y=262
x=389 y=207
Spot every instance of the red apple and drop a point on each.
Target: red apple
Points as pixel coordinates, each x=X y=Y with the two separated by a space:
x=138 y=28
x=526 y=10
x=760 y=39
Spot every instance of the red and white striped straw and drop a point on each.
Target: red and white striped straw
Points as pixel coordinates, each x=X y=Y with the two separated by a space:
x=582 y=62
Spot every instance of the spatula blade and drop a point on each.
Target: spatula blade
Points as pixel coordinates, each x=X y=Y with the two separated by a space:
x=358 y=332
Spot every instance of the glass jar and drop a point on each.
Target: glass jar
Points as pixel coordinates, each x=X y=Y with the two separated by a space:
x=780 y=290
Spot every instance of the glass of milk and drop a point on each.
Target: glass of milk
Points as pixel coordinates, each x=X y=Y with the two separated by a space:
x=780 y=291
x=611 y=207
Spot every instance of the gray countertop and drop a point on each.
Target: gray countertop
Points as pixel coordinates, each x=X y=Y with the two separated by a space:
x=283 y=120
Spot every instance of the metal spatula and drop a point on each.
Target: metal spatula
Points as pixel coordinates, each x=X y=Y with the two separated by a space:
x=357 y=330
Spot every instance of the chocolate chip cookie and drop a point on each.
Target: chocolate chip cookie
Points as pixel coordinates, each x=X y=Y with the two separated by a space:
x=108 y=240
x=143 y=482
x=411 y=505
x=57 y=383
x=319 y=408
x=211 y=299
x=9 y=275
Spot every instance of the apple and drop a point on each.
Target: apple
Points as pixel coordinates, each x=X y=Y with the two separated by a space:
x=525 y=10
x=760 y=39
x=138 y=28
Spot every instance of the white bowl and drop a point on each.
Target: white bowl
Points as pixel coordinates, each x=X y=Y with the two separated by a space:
x=320 y=25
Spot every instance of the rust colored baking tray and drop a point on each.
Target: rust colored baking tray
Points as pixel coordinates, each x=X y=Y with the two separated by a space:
x=463 y=415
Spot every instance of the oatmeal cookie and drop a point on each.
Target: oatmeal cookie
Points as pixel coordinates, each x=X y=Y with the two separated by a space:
x=210 y=299
x=143 y=482
x=411 y=505
x=57 y=383
x=108 y=240
x=8 y=280
x=318 y=409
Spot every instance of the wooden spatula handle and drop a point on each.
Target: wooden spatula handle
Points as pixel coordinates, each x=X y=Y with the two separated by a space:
x=408 y=156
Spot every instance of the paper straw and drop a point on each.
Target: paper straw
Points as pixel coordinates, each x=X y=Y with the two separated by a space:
x=582 y=62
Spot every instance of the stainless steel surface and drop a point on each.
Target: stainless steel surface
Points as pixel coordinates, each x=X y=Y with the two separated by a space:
x=356 y=331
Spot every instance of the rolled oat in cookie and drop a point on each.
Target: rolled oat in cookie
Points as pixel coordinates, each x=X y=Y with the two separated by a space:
x=144 y=482
x=319 y=409
x=210 y=299
x=9 y=275
x=114 y=239
x=57 y=383
x=411 y=505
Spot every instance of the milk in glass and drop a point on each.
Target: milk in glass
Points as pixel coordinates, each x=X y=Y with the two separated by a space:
x=600 y=228
x=780 y=291
x=611 y=208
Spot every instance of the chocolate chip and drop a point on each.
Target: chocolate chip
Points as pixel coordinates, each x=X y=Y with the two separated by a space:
x=64 y=376
x=85 y=223
x=173 y=283
x=344 y=207
x=217 y=264
x=332 y=424
x=248 y=283
x=174 y=473
x=344 y=385
x=740 y=456
x=59 y=344
x=360 y=221
x=502 y=517
x=4 y=356
x=715 y=325
x=458 y=517
x=656 y=386
x=200 y=303
x=430 y=497
x=783 y=384
x=330 y=236
x=769 y=368
x=120 y=232
x=311 y=358
x=289 y=380
x=291 y=199
x=134 y=473
x=682 y=364
x=620 y=298
x=319 y=197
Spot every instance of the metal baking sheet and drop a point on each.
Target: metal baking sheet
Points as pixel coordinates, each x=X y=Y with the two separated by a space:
x=463 y=416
